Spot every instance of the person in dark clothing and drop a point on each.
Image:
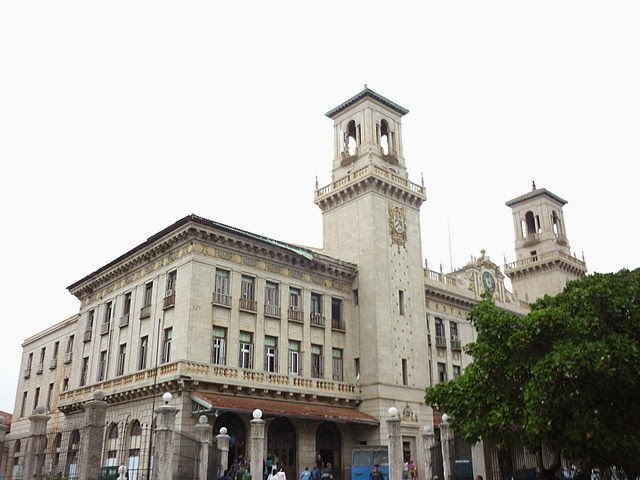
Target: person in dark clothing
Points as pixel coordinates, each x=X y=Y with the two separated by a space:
x=225 y=476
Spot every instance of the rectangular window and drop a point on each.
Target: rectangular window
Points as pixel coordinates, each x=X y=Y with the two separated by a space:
x=107 y=312
x=91 y=316
x=222 y=288
x=356 y=365
x=441 y=341
x=40 y=366
x=102 y=366
x=84 y=371
x=65 y=384
x=405 y=372
x=401 y=302
x=54 y=359
x=142 y=354
x=171 y=283
x=248 y=293
x=49 y=395
x=148 y=294
x=70 y=344
x=294 y=358
x=295 y=304
x=272 y=300
x=126 y=306
x=219 y=350
x=23 y=405
x=271 y=354
x=442 y=372
x=316 y=316
x=30 y=360
x=336 y=360
x=336 y=314
x=356 y=297
x=455 y=340
x=36 y=399
x=456 y=371
x=317 y=369
x=166 y=345
x=246 y=350
x=122 y=356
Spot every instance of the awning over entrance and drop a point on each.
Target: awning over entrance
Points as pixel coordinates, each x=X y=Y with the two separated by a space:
x=304 y=410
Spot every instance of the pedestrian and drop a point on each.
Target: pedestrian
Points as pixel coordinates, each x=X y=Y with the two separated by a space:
x=413 y=473
x=273 y=474
x=247 y=474
x=305 y=474
x=281 y=475
x=225 y=476
x=376 y=474
x=327 y=472
x=315 y=473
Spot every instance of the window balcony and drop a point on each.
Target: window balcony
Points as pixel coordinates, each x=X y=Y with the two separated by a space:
x=272 y=311
x=222 y=299
x=441 y=342
x=316 y=319
x=456 y=345
x=124 y=321
x=27 y=372
x=39 y=369
x=169 y=299
x=145 y=312
x=296 y=315
x=53 y=363
x=337 y=324
x=67 y=357
x=247 y=304
x=104 y=328
x=86 y=336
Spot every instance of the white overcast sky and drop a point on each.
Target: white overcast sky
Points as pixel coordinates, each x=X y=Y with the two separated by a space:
x=118 y=118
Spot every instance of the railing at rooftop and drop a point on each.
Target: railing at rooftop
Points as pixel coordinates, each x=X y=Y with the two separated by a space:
x=545 y=257
x=371 y=169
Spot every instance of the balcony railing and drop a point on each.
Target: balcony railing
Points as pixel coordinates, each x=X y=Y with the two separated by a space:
x=86 y=337
x=39 y=369
x=124 y=320
x=272 y=310
x=296 y=315
x=53 y=363
x=221 y=299
x=456 y=345
x=104 y=328
x=145 y=312
x=67 y=357
x=337 y=324
x=316 y=319
x=441 y=342
x=27 y=372
x=169 y=300
x=247 y=304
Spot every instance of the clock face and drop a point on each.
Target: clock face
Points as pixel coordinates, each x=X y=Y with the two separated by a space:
x=488 y=282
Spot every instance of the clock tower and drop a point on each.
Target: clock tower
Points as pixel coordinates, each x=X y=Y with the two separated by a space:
x=371 y=217
x=544 y=261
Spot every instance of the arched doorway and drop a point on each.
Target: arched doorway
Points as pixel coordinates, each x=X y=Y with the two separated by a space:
x=329 y=445
x=281 y=445
x=237 y=435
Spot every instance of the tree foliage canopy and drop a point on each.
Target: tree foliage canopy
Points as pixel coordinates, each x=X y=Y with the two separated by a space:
x=566 y=376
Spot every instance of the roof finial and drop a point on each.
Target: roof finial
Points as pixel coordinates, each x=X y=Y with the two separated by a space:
x=533 y=185
x=365 y=86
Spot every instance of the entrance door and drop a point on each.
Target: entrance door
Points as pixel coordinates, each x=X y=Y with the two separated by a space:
x=237 y=435
x=329 y=445
x=281 y=446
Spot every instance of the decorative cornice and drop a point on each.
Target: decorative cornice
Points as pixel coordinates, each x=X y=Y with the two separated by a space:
x=539 y=192
x=367 y=93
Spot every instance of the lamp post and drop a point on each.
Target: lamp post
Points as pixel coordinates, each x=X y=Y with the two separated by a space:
x=257 y=445
x=445 y=437
x=222 y=441
x=395 y=444
x=428 y=440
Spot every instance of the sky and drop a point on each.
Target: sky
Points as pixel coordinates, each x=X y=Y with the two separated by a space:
x=119 y=118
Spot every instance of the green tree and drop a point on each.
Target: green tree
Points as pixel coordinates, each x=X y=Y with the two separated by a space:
x=565 y=378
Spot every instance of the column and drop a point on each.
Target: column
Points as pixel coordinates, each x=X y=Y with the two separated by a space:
x=428 y=441
x=4 y=428
x=34 y=460
x=395 y=445
x=92 y=437
x=257 y=445
x=203 y=430
x=163 y=443
x=222 y=442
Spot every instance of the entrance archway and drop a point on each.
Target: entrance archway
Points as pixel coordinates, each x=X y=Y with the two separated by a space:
x=281 y=445
x=328 y=446
x=237 y=435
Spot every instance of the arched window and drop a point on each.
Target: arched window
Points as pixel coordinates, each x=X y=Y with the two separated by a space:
x=135 y=440
x=555 y=224
x=112 y=446
x=71 y=467
x=384 y=137
x=351 y=142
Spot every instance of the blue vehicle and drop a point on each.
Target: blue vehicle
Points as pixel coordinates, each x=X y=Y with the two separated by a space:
x=364 y=457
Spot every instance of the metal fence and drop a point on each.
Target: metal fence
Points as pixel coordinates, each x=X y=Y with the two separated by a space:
x=186 y=457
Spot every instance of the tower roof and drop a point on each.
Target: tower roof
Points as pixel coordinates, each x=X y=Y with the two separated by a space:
x=536 y=192
x=367 y=92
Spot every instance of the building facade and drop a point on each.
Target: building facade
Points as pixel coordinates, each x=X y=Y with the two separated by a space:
x=323 y=341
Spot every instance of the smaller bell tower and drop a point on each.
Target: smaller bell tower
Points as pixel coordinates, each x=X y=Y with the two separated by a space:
x=544 y=261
